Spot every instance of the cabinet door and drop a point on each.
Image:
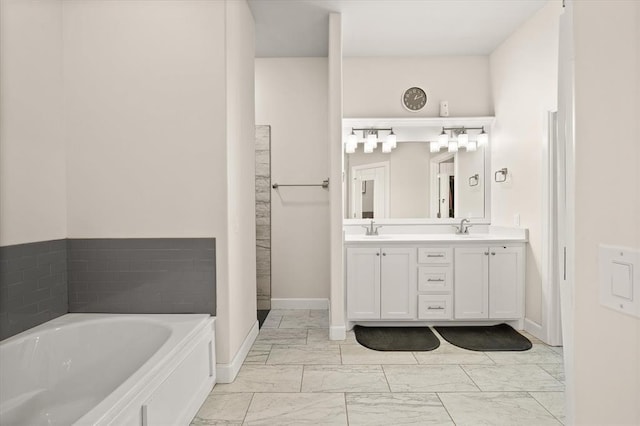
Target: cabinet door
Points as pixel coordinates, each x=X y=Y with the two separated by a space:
x=363 y=283
x=506 y=282
x=471 y=285
x=398 y=283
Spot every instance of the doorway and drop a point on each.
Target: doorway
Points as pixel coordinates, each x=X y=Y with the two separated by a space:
x=263 y=221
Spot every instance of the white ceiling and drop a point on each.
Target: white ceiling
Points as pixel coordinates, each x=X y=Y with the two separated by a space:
x=299 y=28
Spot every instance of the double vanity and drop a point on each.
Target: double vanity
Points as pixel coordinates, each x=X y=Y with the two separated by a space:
x=476 y=277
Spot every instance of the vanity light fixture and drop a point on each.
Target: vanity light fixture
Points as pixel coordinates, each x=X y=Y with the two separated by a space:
x=370 y=137
x=459 y=139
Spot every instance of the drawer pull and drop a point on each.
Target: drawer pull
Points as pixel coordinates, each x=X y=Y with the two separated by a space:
x=435 y=255
x=433 y=280
x=435 y=308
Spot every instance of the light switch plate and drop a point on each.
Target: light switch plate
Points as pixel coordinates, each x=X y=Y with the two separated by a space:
x=619 y=278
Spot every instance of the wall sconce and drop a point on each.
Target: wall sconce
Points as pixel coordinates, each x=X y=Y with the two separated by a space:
x=370 y=138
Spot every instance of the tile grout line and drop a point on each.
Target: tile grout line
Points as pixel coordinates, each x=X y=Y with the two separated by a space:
x=244 y=419
x=445 y=407
x=543 y=406
x=470 y=378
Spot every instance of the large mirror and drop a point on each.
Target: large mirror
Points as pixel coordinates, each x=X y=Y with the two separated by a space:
x=411 y=182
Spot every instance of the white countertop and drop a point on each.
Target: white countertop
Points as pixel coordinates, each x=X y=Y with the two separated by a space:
x=500 y=235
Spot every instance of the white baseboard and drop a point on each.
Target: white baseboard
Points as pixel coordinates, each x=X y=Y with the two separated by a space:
x=534 y=329
x=226 y=373
x=299 y=303
x=337 y=332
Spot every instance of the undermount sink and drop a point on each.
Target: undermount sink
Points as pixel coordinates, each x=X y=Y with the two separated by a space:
x=378 y=237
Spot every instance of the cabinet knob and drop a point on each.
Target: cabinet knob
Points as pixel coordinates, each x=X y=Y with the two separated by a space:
x=384 y=254
x=486 y=253
x=377 y=254
x=493 y=253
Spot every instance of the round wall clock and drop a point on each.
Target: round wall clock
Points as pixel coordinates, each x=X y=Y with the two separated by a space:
x=414 y=99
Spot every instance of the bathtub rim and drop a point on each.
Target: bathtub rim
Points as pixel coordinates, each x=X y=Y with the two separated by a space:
x=186 y=331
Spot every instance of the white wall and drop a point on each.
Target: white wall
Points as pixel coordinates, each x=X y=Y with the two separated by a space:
x=240 y=307
x=291 y=97
x=32 y=156
x=145 y=118
x=524 y=80
x=373 y=86
x=160 y=126
x=607 y=205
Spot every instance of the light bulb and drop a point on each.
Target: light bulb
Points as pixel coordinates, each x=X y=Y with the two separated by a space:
x=434 y=146
x=372 y=139
x=386 y=147
x=483 y=138
x=463 y=139
x=443 y=139
x=453 y=146
x=472 y=146
x=392 y=139
x=350 y=149
x=368 y=148
x=352 y=139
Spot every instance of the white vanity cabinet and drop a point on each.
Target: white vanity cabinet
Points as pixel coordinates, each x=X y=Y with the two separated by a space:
x=489 y=282
x=435 y=278
x=381 y=283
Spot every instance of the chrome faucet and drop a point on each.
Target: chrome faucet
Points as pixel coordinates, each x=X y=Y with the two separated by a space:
x=371 y=230
x=462 y=229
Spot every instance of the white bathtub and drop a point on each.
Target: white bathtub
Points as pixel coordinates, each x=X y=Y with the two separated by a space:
x=102 y=369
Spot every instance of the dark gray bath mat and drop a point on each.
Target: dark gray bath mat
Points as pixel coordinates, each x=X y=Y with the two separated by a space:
x=501 y=337
x=396 y=338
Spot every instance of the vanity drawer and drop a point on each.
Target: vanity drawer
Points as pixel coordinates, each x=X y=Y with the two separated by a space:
x=435 y=255
x=435 y=306
x=435 y=278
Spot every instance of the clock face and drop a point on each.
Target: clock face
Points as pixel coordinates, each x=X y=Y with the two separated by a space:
x=414 y=99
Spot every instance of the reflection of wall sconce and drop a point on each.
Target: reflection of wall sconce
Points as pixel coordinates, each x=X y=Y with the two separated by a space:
x=500 y=175
x=364 y=186
x=474 y=180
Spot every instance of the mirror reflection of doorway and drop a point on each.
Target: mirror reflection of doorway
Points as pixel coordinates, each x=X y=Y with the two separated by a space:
x=443 y=187
x=369 y=191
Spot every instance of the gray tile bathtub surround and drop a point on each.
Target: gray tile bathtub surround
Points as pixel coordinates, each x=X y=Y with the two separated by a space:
x=142 y=275
x=33 y=285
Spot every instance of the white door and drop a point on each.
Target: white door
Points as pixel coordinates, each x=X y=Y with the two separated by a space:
x=471 y=283
x=398 y=283
x=506 y=280
x=363 y=283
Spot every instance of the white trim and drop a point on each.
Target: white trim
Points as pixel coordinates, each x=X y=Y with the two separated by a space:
x=292 y=303
x=534 y=329
x=337 y=332
x=226 y=373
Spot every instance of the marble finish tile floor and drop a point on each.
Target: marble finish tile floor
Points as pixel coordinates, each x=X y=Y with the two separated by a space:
x=294 y=375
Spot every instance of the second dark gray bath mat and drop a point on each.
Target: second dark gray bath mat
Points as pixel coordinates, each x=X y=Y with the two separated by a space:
x=501 y=337
x=396 y=338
